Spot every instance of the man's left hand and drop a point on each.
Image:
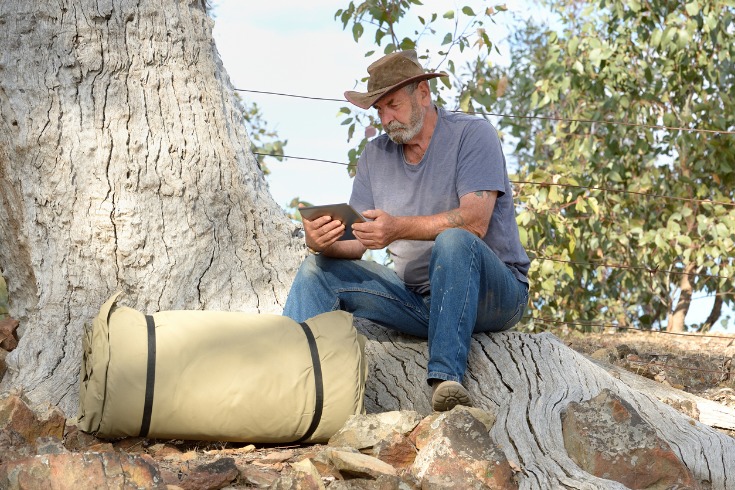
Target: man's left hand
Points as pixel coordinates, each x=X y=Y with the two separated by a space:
x=378 y=233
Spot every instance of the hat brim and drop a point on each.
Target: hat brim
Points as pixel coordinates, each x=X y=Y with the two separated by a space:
x=365 y=100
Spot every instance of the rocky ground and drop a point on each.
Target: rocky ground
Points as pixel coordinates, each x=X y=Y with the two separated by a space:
x=700 y=365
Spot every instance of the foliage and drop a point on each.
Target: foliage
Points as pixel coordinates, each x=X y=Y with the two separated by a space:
x=467 y=31
x=627 y=220
x=293 y=208
x=263 y=140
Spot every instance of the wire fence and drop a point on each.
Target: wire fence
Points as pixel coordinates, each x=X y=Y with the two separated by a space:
x=543 y=118
x=589 y=189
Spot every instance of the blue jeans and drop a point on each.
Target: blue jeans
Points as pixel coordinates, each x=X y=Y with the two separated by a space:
x=471 y=291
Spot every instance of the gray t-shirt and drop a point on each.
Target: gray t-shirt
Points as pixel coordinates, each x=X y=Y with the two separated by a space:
x=464 y=156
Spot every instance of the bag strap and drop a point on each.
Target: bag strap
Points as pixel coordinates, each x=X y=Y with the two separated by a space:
x=318 y=382
x=150 y=378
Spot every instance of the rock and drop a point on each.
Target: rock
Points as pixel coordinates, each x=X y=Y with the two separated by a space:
x=257 y=477
x=164 y=451
x=429 y=424
x=383 y=482
x=605 y=355
x=356 y=465
x=304 y=476
x=365 y=431
x=211 y=476
x=277 y=457
x=309 y=473
x=23 y=426
x=397 y=450
x=76 y=440
x=606 y=437
x=456 y=451
x=687 y=407
x=132 y=445
x=50 y=445
x=8 y=337
x=81 y=471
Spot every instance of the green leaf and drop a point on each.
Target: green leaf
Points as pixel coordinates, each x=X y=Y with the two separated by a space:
x=449 y=14
x=468 y=11
x=447 y=39
x=357 y=31
x=692 y=8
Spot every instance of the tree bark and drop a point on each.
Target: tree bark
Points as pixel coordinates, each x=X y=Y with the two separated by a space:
x=714 y=313
x=529 y=380
x=676 y=319
x=124 y=164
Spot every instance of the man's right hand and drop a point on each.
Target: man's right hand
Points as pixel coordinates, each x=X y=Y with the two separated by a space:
x=322 y=232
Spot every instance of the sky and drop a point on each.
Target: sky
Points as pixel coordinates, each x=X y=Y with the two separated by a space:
x=297 y=47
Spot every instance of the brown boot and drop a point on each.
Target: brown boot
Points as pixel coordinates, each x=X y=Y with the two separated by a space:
x=448 y=394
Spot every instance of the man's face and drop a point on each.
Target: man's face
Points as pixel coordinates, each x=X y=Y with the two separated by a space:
x=401 y=115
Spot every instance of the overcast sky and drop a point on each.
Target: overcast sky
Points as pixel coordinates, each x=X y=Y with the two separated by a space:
x=297 y=47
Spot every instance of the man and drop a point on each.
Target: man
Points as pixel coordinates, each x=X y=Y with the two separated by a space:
x=435 y=189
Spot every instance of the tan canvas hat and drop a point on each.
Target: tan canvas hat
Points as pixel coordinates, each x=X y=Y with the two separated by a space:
x=390 y=73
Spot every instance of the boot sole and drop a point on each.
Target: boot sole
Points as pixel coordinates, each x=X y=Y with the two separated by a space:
x=448 y=395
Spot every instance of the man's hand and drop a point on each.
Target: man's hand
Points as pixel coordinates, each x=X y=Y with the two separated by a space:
x=322 y=232
x=380 y=232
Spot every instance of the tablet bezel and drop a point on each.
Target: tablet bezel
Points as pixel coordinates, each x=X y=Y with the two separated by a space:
x=342 y=212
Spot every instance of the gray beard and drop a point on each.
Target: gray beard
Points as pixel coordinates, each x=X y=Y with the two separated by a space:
x=401 y=134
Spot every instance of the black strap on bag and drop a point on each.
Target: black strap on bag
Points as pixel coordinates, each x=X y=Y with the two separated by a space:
x=318 y=381
x=150 y=378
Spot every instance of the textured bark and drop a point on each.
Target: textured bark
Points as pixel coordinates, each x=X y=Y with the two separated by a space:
x=124 y=164
x=529 y=380
x=676 y=319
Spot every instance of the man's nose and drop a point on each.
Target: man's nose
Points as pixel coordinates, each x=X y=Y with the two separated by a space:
x=386 y=118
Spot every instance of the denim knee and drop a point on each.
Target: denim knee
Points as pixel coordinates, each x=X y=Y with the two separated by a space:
x=453 y=239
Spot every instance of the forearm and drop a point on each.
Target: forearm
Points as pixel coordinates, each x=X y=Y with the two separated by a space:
x=344 y=249
x=473 y=214
x=429 y=227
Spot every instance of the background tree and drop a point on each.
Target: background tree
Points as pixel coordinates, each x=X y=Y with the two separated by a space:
x=124 y=164
x=627 y=220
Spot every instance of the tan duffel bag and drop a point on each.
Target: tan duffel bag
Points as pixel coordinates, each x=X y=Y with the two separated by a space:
x=220 y=376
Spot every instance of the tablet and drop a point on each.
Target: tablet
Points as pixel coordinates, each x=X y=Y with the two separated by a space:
x=343 y=212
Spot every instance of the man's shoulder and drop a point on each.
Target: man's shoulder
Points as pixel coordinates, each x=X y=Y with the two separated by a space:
x=464 y=126
x=463 y=120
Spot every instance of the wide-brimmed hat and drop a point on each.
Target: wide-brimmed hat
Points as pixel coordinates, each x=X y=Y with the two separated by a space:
x=390 y=73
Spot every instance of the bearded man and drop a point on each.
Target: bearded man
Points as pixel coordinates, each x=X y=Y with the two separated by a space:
x=435 y=189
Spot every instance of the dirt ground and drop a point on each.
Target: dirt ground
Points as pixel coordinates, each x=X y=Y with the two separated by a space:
x=703 y=365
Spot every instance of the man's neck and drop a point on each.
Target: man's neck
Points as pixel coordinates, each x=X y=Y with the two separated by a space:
x=415 y=149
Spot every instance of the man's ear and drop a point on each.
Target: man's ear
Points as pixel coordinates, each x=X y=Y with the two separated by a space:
x=424 y=93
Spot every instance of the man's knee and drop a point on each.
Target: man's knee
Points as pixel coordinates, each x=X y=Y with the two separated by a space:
x=454 y=239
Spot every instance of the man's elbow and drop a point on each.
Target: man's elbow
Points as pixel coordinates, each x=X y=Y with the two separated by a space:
x=479 y=227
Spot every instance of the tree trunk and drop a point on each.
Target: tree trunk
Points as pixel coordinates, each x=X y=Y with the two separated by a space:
x=124 y=164
x=714 y=314
x=676 y=319
x=529 y=380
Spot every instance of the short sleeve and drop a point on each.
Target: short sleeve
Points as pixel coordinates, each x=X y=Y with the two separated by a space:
x=480 y=163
